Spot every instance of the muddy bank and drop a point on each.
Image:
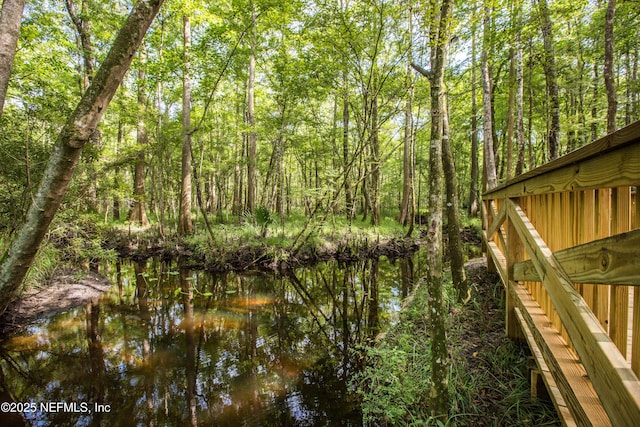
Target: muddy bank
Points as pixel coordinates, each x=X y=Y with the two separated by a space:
x=65 y=290
x=217 y=258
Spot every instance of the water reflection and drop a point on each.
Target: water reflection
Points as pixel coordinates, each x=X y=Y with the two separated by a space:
x=169 y=346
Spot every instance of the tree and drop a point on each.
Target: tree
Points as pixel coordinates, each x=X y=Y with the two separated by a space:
x=608 y=74
x=138 y=213
x=453 y=214
x=487 y=118
x=83 y=30
x=252 y=137
x=439 y=36
x=408 y=166
x=551 y=75
x=474 y=203
x=78 y=129
x=9 y=30
x=185 y=225
x=86 y=47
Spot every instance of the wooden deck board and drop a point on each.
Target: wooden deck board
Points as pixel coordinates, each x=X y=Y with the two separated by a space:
x=562 y=364
x=554 y=392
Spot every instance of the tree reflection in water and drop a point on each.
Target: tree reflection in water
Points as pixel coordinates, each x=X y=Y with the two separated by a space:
x=170 y=346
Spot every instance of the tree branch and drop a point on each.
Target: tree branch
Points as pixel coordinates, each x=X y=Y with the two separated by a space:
x=418 y=68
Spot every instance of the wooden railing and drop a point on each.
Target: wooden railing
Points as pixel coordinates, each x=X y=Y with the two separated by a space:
x=565 y=240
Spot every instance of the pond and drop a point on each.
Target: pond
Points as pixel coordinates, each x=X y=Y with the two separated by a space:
x=172 y=347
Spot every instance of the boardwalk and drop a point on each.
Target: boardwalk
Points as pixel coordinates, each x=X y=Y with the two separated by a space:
x=565 y=239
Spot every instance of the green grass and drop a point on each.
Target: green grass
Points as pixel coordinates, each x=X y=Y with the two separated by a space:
x=489 y=374
x=44 y=266
x=295 y=230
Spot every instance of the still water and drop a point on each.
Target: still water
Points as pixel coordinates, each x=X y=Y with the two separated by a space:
x=171 y=347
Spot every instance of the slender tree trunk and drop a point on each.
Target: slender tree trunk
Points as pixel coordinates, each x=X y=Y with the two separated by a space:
x=185 y=226
x=349 y=204
x=138 y=212
x=551 y=74
x=236 y=202
x=10 y=18
x=634 y=78
x=487 y=132
x=82 y=25
x=511 y=113
x=608 y=74
x=160 y=180
x=78 y=129
x=594 y=103
x=407 y=152
x=519 y=106
x=628 y=91
x=251 y=120
x=375 y=159
x=453 y=215
x=86 y=47
x=116 y=176
x=475 y=169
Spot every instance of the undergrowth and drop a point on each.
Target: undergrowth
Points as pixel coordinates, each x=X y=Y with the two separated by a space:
x=489 y=374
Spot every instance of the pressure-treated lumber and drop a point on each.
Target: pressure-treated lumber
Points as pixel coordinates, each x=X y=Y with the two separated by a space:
x=611 y=161
x=612 y=260
x=542 y=344
x=616 y=384
x=498 y=220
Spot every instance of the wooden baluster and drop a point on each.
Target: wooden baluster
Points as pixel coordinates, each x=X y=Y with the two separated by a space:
x=603 y=215
x=619 y=302
x=586 y=210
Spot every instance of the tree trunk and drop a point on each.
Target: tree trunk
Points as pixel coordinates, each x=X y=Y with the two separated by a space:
x=475 y=169
x=116 y=176
x=78 y=129
x=138 y=212
x=519 y=106
x=251 y=120
x=349 y=204
x=453 y=215
x=84 y=41
x=608 y=74
x=594 y=103
x=185 y=226
x=236 y=201
x=10 y=18
x=375 y=159
x=439 y=392
x=551 y=74
x=511 y=113
x=407 y=153
x=86 y=47
x=487 y=129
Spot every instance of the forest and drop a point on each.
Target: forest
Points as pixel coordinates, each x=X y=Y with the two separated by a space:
x=206 y=125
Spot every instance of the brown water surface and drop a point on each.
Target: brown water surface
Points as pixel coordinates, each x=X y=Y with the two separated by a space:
x=172 y=347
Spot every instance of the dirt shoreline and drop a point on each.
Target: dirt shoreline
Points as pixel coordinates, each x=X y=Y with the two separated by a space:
x=65 y=290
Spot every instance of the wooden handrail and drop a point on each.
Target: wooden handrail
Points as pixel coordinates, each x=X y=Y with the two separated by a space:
x=623 y=141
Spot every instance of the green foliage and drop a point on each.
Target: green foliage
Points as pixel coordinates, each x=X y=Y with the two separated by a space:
x=394 y=383
x=263 y=218
x=46 y=262
x=80 y=238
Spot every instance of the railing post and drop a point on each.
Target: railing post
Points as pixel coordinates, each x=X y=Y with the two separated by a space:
x=515 y=253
